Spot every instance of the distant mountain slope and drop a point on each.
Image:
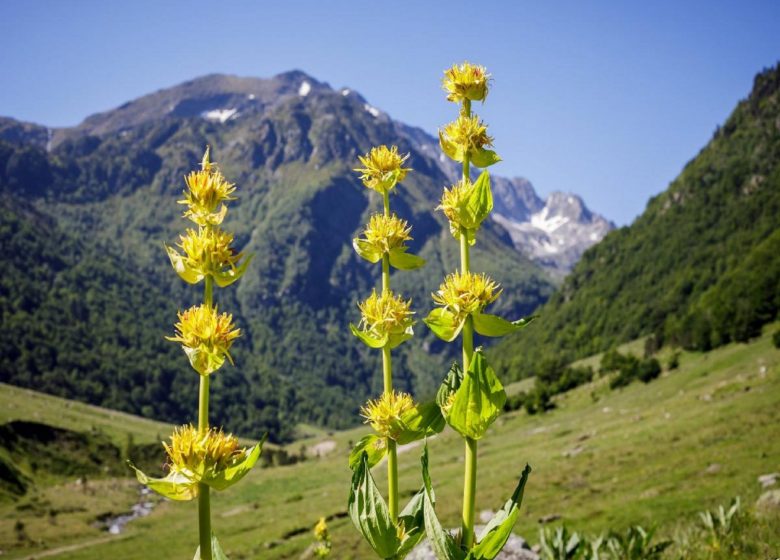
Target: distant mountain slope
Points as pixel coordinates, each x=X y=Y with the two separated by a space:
x=553 y=232
x=701 y=265
x=109 y=187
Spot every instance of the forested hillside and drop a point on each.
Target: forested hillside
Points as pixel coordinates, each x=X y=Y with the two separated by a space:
x=699 y=268
x=88 y=293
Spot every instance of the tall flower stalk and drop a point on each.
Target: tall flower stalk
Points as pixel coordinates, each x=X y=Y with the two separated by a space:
x=471 y=397
x=386 y=322
x=205 y=458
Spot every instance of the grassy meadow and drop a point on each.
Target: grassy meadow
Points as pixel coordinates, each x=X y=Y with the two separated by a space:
x=651 y=454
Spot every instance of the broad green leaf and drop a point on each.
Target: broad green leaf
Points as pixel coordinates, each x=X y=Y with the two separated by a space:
x=185 y=272
x=402 y=260
x=367 y=339
x=226 y=278
x=174 y=486
x=216 y=550
x=422 y=420
x=492 y=325
x=452 y=150
x=497 y=531
x=480 y=201
x=229 y=476
x=450 y=385
x=442 y=542
x=412 y=519
x=366 y=250
x=478 y=401
x=443 y=324
x=373 y=446
x=369 y=514
x=484 y=158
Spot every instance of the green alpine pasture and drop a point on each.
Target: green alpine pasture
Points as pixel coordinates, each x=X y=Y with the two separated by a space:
x=653 y=454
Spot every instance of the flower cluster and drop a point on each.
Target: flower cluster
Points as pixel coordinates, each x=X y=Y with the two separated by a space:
x=385 y=233
x=385 y=413
x=465 y=293
x=383 y=168
x=465 y=137
x=206 y=336
x=191 y=451
x=207 y=189
x=322 y=545
x=466 y=81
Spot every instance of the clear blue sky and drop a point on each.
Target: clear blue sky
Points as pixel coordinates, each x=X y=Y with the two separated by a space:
x=605 y=99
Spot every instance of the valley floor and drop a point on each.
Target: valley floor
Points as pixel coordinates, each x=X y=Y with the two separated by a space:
x=651 y=454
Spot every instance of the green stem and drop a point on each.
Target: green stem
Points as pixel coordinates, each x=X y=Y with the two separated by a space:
x=386 y=202
x=204 y=499
x=470 y=460
x=387 y=374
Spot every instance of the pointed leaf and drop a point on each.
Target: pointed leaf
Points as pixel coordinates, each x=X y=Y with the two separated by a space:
x=480 y=201
x=484 y=158
x=402 y=260
x=366 y=250
x=229 y=476
x=421 y=421
x=185 y=272
x=443 y=324
x=450 y=148
x=478 y=401
x=373 y=446
x=492 y=325
x=442 y=542
x=497 y=531
x=224 y=279
x=369 y=514
x=367 y=339
x=174 y=485
x=412 y=519
x=450 y=385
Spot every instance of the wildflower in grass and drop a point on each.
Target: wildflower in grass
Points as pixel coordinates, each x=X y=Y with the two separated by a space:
x=385 y=414
x=471 y=396
x=386 y=320
x=383 y=168
x=207 y=189
x=466 y=81
x=207 y=251
x=323 y=545
x=206 y=336
x=205 y=458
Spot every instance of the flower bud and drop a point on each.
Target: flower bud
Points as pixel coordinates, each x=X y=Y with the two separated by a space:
x=466 y=81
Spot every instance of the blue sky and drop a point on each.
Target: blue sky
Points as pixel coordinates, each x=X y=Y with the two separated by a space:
x=605 y=99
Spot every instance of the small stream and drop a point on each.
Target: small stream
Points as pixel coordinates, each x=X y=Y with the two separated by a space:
x=115 y=524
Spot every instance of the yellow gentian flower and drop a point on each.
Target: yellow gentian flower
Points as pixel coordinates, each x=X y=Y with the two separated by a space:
x=206 y=190
x=466 y=81
x=384 y=414
x=382 y=168
x=206 y=336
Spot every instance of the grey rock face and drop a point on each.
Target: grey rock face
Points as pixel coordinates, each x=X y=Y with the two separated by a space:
x=554 y=232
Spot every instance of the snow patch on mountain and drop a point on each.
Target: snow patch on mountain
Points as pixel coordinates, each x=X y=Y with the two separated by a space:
x=219 y=115
x=554 y=232
x=305 y=88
